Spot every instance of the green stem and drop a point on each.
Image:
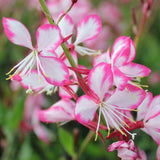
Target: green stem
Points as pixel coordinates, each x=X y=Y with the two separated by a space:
x=68 y=55
x=46 y=11
x=51 y=21
x=85 y=142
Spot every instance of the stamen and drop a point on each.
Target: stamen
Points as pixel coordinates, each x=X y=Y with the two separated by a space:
x=29 y=91
x=99 y=119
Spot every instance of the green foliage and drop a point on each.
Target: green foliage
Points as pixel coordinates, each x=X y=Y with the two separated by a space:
x=67 y=141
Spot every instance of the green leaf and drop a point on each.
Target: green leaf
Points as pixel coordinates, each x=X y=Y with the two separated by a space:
x=67 y=141
x=2 y=113
x=15 y=115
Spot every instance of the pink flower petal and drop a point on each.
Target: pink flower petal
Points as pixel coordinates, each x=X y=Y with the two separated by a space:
x=66 y=26
x=105 y=57
x=135 y=70
x=129 y=98
x=48 y=37
x=154 y=109
x=54 y=70
x=116 y=145
x=119 y=79
x=88 y=28
x=85 y=109
x=17 y=33
x=33 y=81
x=123 y=51
x=61 y=111
x=100 y=79
x=143 y=107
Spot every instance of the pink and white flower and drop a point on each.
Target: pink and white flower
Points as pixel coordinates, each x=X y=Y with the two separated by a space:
x=149 y=112
x=48 y=39
x=127 y=150
x=112 y=105
x=120 y=59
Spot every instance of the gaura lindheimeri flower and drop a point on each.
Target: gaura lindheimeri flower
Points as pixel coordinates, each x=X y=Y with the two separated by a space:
x=149 y=112
x=120 y=59
x=111 y=106
x=88 y=28
x=48 y=39
x=61 y=111
x=127 y=150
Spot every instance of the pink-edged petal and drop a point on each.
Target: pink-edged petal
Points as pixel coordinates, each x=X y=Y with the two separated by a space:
x=85 y=109
x=135 y=70
x=129 y=98
x=54 y=70
x=119 y=79
x=125 y=153
x=88 y=28
x=33 y=81
x=48 y=37
x=17 y=33
x=100 y=79
x=123 y=51
x=105 y=57
x=66 y=26
x=61 y=111
x=143 y=107
x=154 y=109
x=116 y=145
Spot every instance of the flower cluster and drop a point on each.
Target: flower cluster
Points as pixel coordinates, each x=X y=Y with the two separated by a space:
x=112 y=90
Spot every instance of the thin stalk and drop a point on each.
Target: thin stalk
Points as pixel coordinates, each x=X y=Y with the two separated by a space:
x=51 y=21
x=46 y=11
x=85 y=142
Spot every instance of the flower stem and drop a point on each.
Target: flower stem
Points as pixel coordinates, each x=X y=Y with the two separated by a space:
x=85 y=142
x=46 y=11
x=51 y=21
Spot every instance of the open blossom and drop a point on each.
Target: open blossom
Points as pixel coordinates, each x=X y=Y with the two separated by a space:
x=87 y=29
x=127 y=150
x=48 y=39
x=120 y=59
x=149 y=112
x=112 y=105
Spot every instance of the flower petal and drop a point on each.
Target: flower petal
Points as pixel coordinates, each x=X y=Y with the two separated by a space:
x=33 y=81
x=143 y=107
x=54 y=70
x=61 y=111
x=85 y=109
x=48 y=37
x=154 y=109
x=129 y=98
x=123 y=51
x=88 y=28
x=66 y=26
x=100 y=79
x=135 y=70
x=119 y=79
x=17 y=33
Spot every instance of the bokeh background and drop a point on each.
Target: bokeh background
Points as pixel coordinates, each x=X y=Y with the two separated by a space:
x=19 y=139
